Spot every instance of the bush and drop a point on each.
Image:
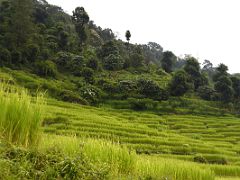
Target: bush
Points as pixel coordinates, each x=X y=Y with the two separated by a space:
x=91 y=93
x=200 y=159
x=215 y=159
x=108 y=86
x=142 y=104
x=46 y=68
x=69 y=96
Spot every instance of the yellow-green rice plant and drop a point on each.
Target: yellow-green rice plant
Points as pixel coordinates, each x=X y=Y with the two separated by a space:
x=20 y=118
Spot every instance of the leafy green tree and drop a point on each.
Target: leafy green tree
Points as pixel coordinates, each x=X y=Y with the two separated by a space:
x=192 y=67
x=167 y=61
x=180 y=83
x=80 y=18
x=46 y=68
x=21 y=26
x=236 y=87
x=221 y=70
x=223 y=84
x=150 y=89
x=224 y=87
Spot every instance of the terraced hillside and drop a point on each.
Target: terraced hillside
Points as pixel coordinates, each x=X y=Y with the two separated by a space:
x=185 y=137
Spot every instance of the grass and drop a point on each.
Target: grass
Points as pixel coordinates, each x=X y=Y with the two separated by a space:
x=128 y=144
x=20 y=119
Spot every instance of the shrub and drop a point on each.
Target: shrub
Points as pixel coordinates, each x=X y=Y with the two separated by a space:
x=67 y=95
x=142 y=104
x=20 y=119
x=91 y=93
x=46 y=68
x=200 y=159
x=215 y=159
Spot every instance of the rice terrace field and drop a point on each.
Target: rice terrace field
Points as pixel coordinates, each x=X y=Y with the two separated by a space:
x=122 y=144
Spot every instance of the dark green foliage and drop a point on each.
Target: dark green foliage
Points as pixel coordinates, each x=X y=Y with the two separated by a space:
x=32 y=52
x=80 y=18
x=16 y=57
x=75 y=65
x=70 y=96
x=142 y=104
x=21 y=22
x=107 y=49
x=206 y=92
x=113 y=62
x=56 y=120
x=128 y=35
x=5 y=57
x=224 y=87
x=46 y=68
x=223 y=84
x=236 y=86
x=192 y=67
x=136 y=60
x=63 y=58
x=200 y=159
x=167 y=61
x=88 y=75
x=179 y=84
x=93 y=64
x=150 y=89
x=91 y=93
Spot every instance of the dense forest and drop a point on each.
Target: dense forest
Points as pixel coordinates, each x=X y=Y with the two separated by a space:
x=42 y=39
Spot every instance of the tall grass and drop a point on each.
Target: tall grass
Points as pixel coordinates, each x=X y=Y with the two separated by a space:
x=20 y=118
x=119 y=159
x=159 y=168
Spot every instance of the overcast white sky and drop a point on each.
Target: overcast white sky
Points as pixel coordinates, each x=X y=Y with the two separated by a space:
x=207 y=29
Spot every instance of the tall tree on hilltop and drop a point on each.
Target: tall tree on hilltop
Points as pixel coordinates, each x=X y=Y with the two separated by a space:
x=21 y=22
x=223 y=84
x=128 y=35
x=80 y=18
x=167 y=61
